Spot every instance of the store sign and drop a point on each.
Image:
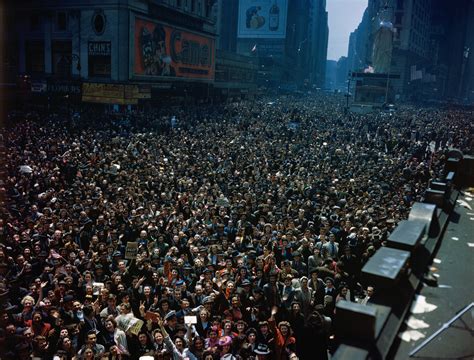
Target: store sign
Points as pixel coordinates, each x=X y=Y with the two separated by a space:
x=99 y=48
x=114 y=93
x=262 y=19
x=39 y=86
x=99 y=58
x=164 y=51
x=66 y=88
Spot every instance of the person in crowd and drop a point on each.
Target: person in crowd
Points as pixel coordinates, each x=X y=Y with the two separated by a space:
x=123 y=236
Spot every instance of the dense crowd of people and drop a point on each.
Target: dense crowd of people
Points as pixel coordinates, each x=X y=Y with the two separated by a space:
x=230 y=232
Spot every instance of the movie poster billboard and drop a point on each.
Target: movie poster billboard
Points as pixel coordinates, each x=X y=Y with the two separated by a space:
x=262 y=19
x=164 y=51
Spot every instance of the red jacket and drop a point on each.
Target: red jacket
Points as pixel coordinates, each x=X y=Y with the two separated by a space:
x=281 y=343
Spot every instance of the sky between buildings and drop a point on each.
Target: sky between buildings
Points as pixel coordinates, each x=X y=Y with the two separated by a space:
x=344 y=17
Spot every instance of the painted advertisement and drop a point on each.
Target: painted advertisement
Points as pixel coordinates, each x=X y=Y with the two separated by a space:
x=164 y=51
x=262 y=19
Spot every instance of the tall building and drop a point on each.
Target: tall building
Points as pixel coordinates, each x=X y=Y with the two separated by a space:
x=227 y=25
x=341 y=73
x=358 y=52
x=288 y=38
x=318 y=40
x=331 y=75
x=453 y=50
x=432 y=42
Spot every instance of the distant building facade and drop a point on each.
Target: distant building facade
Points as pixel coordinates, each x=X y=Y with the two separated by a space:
x=432 y=47
x=115 y=52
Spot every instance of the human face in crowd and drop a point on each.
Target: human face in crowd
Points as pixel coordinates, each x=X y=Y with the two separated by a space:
x=67 y=344
x=142 y=339
x=109 y=326
x=88 y=354
x=213 y=334
x=175 y=187
x=251 y=338
x=158 y=337
x=91 y=339
x=204 y=315
x=179 y=343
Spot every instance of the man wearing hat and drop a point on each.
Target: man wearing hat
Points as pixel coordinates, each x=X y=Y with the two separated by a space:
x=287 y=270
x=245 y=292
x=171 y=323
x=298 y=264
x=262 y=352
x=67 y=313
x=330 y=288
x=272 y=291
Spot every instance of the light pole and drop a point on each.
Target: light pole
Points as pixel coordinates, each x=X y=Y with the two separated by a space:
x=348 y=91
x=76 y=59
x=299 y=53
x=465 y=56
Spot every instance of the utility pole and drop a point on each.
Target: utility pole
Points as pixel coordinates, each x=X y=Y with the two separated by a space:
x=463 y=69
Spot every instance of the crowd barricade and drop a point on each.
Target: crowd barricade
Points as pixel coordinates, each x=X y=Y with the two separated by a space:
x=397 y=270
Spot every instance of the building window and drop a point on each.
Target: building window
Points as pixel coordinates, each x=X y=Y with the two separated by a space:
x=398 y=19
x=61 y=21
x=34 y=22
x=61 y=58
x=98 y=22
x=34 y=57
x=99 y=53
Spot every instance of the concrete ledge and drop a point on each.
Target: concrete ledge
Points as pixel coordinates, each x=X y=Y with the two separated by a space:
x=397 y=299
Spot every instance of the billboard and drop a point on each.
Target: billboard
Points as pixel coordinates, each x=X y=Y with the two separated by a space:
x=106 y=93
x=262 y=19
x=164 y=51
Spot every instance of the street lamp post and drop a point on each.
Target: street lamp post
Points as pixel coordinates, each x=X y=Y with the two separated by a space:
x=348 y=92
x=76 y=58
x=463 y=69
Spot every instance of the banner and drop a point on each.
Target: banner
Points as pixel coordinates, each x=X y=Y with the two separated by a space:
x=262 y=19
x=99 y=48
x=165 y=51
x=114 y=93
x=131 y=250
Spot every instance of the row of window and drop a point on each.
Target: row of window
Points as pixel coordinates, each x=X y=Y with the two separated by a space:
x=60 y=21
x=62 y=60
x=192 y=6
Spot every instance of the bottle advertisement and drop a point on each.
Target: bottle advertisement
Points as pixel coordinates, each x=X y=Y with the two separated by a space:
x=262 y=18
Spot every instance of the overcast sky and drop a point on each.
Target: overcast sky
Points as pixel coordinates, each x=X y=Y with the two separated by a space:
x=344 y=17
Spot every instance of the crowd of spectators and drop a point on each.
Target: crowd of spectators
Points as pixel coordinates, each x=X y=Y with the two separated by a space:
x=229 y=233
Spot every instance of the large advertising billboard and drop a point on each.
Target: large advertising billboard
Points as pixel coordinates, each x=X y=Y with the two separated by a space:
x=262 y=19
x=164 y=51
